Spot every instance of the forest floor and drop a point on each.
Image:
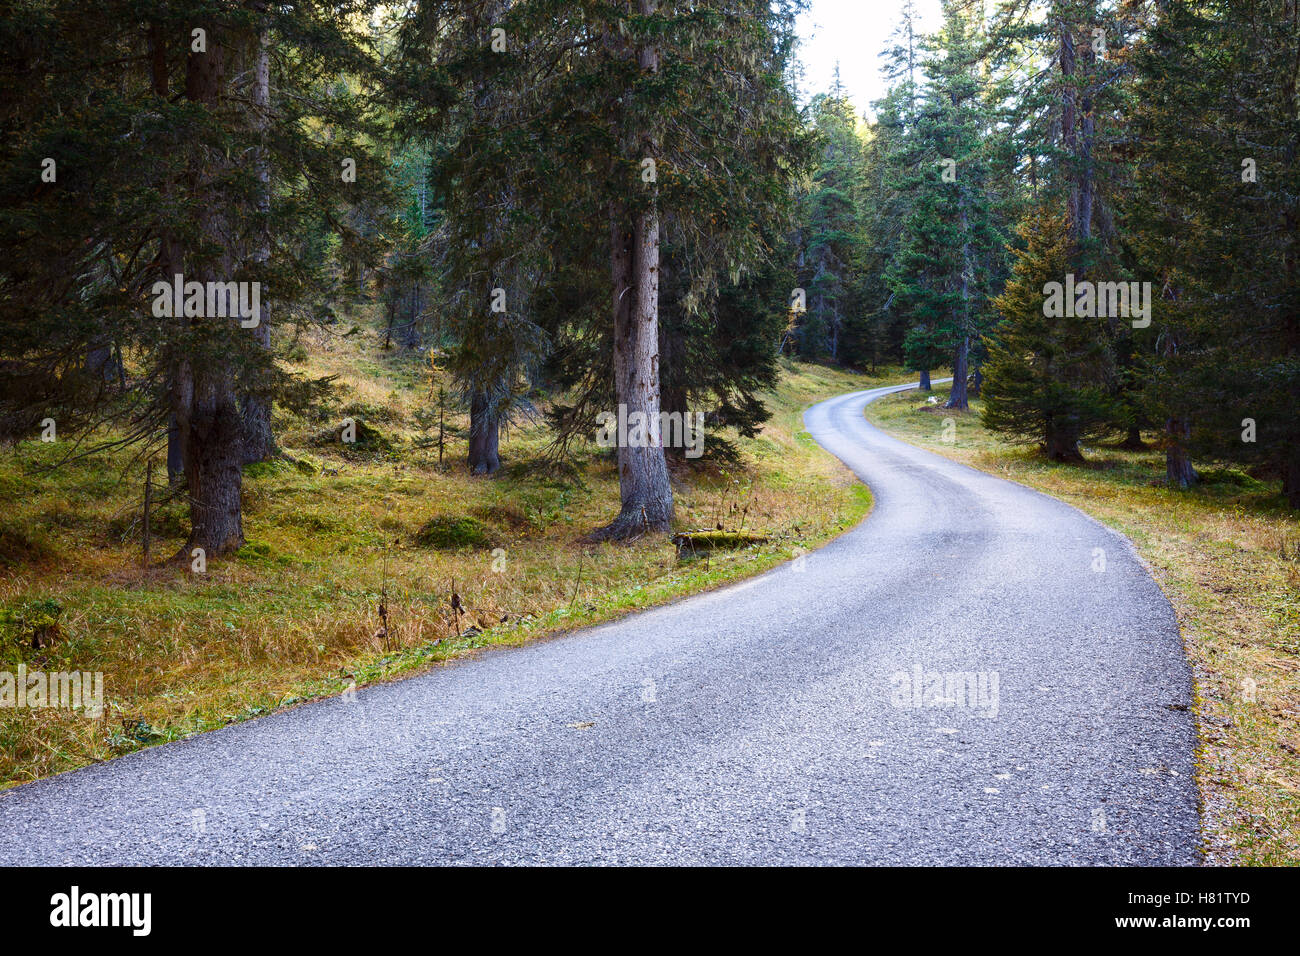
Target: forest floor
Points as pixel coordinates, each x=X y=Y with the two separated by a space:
x=337 y=529
x=1227 y=554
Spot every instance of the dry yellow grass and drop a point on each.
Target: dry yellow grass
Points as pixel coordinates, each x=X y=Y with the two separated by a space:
x=295 y=614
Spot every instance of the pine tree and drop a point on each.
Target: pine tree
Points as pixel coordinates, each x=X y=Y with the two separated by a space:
x=876 y=330
x=174 y=155
x=831 y=227
x=940 y=275
x=1218 y=225
x=625 y=120
x=1042 y=377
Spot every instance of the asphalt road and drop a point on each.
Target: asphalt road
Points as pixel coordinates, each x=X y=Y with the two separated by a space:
x=776 y=721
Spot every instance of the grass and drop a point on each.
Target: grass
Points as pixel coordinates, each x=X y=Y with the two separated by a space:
x=1228 y=556
x=332 y=532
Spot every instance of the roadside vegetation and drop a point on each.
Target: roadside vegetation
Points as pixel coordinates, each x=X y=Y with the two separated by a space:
x=335 y=531
x=1227 y=554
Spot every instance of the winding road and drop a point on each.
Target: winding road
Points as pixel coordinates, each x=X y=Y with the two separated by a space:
x=977 y=674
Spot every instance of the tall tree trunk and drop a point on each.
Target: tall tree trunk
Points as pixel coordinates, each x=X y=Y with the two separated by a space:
x=204 y=389
x=1178 y=466
x=644 y=487
x=258 y=436
x=925 y=380
x=170 y=259
x=484 y=435
x=976 y=382
x=957 y=394
x=213 y=462
x=175 y=453
x=960 y=371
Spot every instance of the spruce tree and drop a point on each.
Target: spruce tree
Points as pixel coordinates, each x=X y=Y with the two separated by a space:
x=1042 y=377
x=177 y=147
x=1218 y=227
x=940 y=275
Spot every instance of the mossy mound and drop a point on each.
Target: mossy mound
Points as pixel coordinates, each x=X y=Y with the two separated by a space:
x=368 y=440
x=702 y=542
x=35 y=625
x=447 y=533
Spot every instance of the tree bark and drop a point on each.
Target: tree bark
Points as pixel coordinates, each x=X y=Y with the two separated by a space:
x=175 y=454
x=484 y=435
x=645 y=491
x=1133 y=439
x=1178 y=466
x=960 y=366
x=1062 y=441
x=258 y=435
x=213 y=464
x=204 y=391
x=957 y=394
x=925 y=381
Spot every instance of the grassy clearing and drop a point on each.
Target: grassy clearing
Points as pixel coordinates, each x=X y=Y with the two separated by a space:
x=1228 y=556
x=295 y=614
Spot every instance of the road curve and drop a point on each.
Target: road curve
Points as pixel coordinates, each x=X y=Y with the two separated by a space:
x=774 y=721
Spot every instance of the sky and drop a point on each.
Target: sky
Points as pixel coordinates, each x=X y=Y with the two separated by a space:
x=852 y=33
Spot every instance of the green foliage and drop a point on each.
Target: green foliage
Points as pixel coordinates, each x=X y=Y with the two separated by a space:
x=1045 y=379
x=540 y=145
x=830 y=226
x=1216 y=221
x=943 y=271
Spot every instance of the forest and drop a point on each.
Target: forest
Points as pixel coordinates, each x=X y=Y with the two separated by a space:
x=489 y=175
x=318 y=321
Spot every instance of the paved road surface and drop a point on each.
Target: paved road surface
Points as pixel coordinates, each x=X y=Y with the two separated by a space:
x=775 y=721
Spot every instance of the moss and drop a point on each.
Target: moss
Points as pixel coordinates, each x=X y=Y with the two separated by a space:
x=254 y=550
x=453 y=534
x=264 y=469
x=698 y=542
x=34 y=624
